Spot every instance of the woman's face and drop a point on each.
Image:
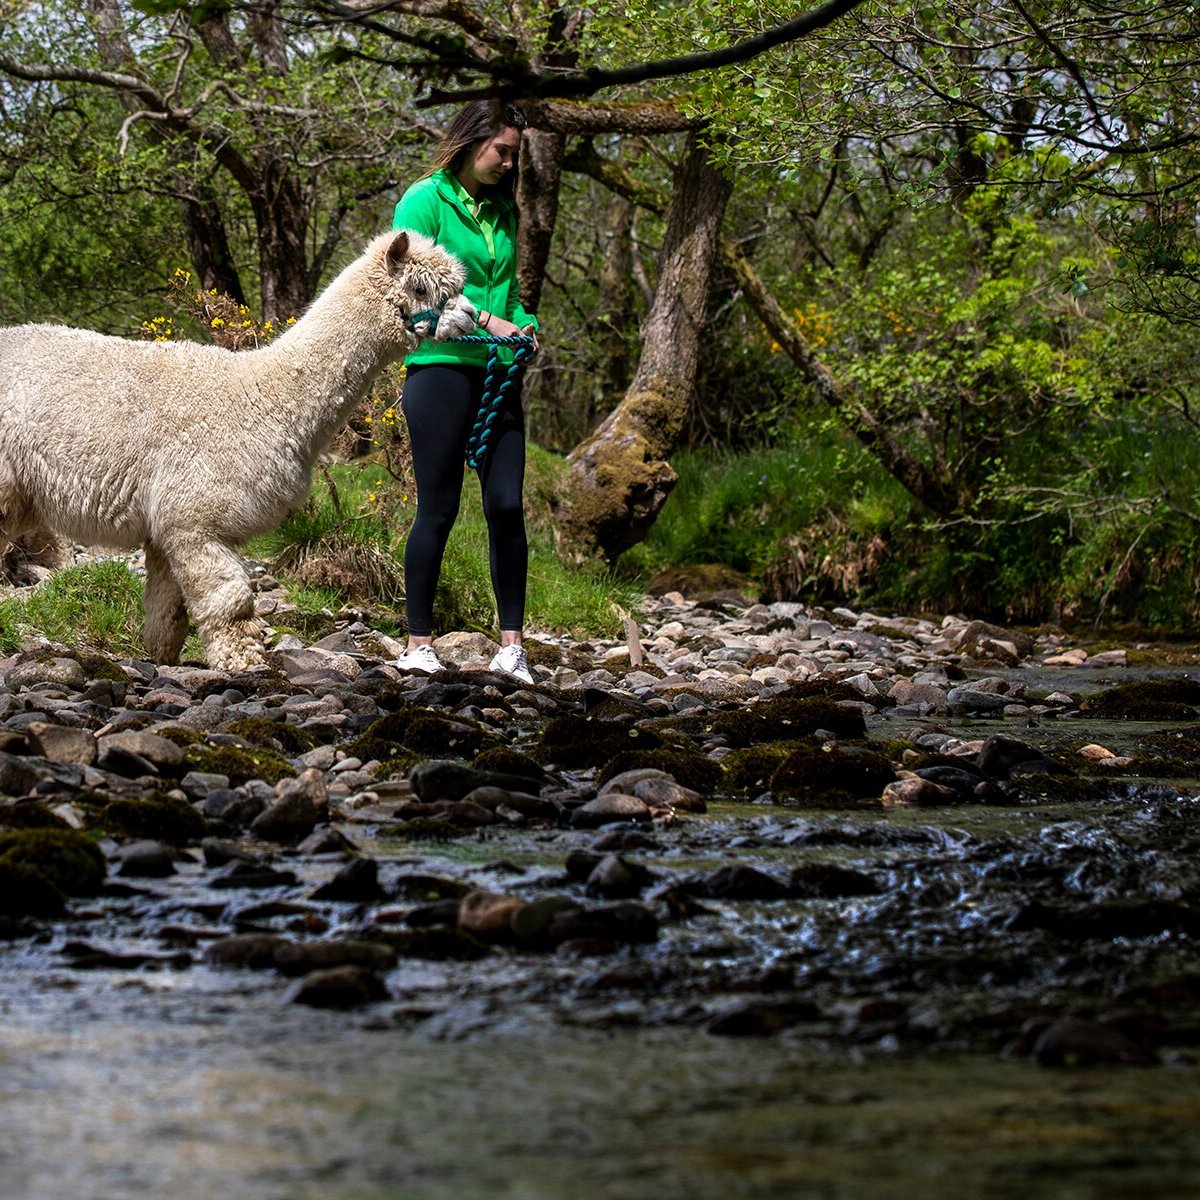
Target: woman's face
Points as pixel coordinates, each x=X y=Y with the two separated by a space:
x=492 y=160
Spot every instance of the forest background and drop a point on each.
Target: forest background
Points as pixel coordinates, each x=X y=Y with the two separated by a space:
x=895 y=309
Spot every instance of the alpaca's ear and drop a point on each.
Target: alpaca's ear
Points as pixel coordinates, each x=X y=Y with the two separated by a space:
x=397 y=252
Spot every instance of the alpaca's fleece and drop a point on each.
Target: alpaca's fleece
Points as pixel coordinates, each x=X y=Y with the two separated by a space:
x=189 y=450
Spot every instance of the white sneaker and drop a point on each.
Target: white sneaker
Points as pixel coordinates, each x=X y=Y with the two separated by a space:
x=420 y=658
x=512 y=661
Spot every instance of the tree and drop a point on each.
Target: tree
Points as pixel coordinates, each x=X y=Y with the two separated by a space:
x=227 y=111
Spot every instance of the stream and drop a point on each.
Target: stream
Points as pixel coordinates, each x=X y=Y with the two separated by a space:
x=870 y=1040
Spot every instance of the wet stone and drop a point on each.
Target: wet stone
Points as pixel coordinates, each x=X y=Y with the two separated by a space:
x=340 y=987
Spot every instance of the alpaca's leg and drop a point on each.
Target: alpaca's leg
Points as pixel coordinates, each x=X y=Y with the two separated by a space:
x=217 y=592
x=166 y=617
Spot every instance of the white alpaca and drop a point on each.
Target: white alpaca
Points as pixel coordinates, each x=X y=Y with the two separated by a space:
x=190 y=450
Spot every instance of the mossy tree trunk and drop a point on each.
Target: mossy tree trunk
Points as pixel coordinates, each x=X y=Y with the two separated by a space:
x=618 y=479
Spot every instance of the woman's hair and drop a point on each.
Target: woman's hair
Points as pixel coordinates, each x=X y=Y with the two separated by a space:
x=475 y=122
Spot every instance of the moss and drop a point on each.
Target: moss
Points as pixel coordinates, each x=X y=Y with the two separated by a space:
x=506 y=761
x=397 y=763
x=239 y=764
x=163 y=818
x=273 y=735
x=1180 y=745
x=751 y=768
x=831 y=773
x=64 y=858
x=384 y=738
x=446 y=737
x=180 y=736
x=29 y=814
x=97 y=666
x=786 y=718
x=250 y=683
x=572 y=741
x=1146 y=700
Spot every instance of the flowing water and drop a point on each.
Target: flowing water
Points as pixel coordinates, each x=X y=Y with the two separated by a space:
x=559 y=1080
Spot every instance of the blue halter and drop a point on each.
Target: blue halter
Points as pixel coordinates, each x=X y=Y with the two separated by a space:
x=495 y=389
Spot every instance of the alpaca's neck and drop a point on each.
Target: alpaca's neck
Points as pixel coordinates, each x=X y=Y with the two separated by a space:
x=325 y=363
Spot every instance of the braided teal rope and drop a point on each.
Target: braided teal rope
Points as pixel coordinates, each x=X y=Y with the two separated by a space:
x=494 y=393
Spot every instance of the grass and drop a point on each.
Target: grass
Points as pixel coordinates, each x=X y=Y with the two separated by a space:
x=95 y=605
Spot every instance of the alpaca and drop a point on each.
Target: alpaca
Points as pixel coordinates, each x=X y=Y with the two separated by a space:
x=189 y=450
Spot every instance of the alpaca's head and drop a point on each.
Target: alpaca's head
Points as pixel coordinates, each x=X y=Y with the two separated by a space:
x=422 y=287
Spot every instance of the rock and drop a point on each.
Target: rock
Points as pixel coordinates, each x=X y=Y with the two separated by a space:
x=65 y=673
x=300 y=804
x=339 y=987
x=253 y=950
x=299 y=958
x=488 y=915
x=1077 y=1043
x=60 y=743
x=357 y=881
x=607 y=809
x=915 y=792
x=615 y=878
x=439 y=780
x=761 y=1018
x=151 y=860
x=739 y=882
x=16 y=775
x=116 y=749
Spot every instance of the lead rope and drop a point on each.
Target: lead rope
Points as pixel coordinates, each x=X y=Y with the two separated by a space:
x=494 y=395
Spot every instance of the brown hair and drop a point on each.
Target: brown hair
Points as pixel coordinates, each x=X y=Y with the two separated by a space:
x=474 y=123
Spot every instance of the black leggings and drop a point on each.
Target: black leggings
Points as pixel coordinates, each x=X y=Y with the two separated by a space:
x=440 y=405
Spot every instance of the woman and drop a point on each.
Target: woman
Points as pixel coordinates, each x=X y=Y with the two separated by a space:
x=466 y=204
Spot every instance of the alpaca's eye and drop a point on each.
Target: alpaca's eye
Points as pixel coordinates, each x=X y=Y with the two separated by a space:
x=420 y=291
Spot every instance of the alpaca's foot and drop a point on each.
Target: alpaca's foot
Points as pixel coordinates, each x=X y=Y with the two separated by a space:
x=237 y=647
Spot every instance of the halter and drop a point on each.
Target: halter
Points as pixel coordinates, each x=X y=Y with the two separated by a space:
x=432 y=315
x=494 y=393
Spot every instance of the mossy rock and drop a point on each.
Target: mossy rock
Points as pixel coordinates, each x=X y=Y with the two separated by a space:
x=384 y=738
x=750 y=768
x=506 y=761
x=26 y=893
x=181 y=736
x=250 y=683
x=786 y=718
x=446 y=737
x=97 y=666
x=1179 y=745
x=273 y=735
x=65 y=858
x=688 y=767
x=162 y=818
x=1146 y=700
x=572 y=741
x=239 y=764
x=29 y=814
x=386 y=693
x=831 y=774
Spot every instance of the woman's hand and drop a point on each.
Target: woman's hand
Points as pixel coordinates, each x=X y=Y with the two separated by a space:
x=489 y=322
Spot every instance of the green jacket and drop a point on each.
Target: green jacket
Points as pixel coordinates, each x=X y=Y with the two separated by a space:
x=436 y=207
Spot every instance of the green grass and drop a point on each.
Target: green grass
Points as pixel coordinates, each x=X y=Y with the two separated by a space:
x=95 y=605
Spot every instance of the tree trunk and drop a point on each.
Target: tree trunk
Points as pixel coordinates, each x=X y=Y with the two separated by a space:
x=537 y=196
x=618 y=479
